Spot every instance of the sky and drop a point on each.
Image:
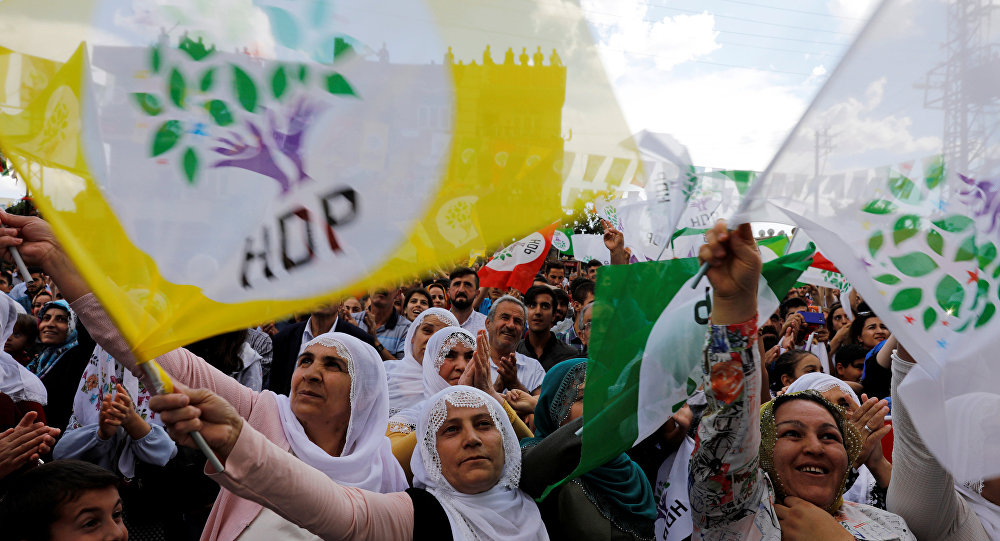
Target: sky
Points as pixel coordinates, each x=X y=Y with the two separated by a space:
x=727 y=78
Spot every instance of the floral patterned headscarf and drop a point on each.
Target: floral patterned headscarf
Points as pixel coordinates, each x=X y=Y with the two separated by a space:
x=853 y=441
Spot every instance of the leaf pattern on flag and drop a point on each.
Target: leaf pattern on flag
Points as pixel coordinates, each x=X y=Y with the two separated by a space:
x=922 y=279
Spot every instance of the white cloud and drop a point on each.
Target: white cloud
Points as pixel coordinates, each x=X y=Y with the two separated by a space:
x=732 y=118
x=629 y=41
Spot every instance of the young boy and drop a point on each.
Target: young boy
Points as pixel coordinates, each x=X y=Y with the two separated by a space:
x=64 y=500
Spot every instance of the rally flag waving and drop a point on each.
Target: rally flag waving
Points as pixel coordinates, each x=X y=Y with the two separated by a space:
x=904 y=203
x=515 y=266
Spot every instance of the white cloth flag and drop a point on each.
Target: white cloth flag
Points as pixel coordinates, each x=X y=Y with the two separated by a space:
x=903 y=198
x=587 y=247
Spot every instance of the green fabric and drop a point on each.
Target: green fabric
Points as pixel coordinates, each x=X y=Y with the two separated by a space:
x=620 y=480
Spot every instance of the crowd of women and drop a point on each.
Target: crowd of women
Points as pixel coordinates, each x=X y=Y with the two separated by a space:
x=786 y=438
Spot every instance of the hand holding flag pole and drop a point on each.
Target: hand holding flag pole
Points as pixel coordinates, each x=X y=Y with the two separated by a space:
x=158 y=377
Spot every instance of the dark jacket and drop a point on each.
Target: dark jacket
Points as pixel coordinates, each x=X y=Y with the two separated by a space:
x=286 y=352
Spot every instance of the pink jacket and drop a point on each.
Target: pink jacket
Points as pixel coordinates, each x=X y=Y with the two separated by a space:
x=257 y=469
x=230 y=514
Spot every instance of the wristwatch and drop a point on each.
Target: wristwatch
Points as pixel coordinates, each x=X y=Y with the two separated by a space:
x=379 y=347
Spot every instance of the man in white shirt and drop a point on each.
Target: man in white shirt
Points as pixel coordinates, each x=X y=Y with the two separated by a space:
x=463 y=284
x=509 y=369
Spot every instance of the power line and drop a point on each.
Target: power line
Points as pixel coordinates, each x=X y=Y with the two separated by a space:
x=813 y=53
x=782 y=38
x=792 y=10
x=757 y=21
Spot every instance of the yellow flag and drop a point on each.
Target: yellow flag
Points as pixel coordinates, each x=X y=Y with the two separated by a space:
x=212 y=165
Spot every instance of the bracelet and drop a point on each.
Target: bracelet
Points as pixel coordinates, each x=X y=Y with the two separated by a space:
x=379 y=347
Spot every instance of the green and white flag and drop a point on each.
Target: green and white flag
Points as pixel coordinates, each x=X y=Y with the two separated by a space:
x=648 y=332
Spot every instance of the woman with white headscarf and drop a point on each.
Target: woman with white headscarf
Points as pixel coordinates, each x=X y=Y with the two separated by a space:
x=17 y=382
x=447 y=359
x=870 y=476
x=334 y=420
x=466 y=473
x=406 y=386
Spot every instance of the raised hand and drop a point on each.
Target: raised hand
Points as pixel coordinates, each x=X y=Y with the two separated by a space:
x=37 y=244
x=24 y=443
x=477 y=374
x=734 y=270
x=113 y=415
x=188 y=410
x=870 y=421
x=522 y=402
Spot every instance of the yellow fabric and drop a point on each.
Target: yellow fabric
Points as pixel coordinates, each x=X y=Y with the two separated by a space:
x=404 y=444
x=518 y=128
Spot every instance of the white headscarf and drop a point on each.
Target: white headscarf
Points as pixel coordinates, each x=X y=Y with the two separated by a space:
x=16 y=381
x=405 y=385
x=438 y=346
x=503 y=512
x=366 y=461
x=820 y=382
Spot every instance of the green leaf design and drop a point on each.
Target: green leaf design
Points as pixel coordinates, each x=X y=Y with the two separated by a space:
x=336 y=84
x=888 y=279
x=906 y=227
x=875 y=243
x=207 y=80
x=904 y=189
x=982 y=289
x=930 y=316
x=967 y=250
x=879 y=206
x=178 y=88
x=987 y=314
x=935 y=241
x=155 y=59
x=934 y=172
x=986 y=254
x=956 y=223
x=341 y=48
x=220 y=112
x=303 y=73
x=195 y=49
x=906 y=299
x=190 y=164
x=914 y=264
x=246 y=90
x=167 y=136
x=279 y=82
x=149 y=103
x=949 y=295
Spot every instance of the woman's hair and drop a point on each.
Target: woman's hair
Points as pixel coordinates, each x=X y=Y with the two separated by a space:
x=858 y=325
x=416 y=291
x=829 y=317
x=44 y=293
x=32 y=501
x=784 y=365
x=221 y=351
x=27 y=325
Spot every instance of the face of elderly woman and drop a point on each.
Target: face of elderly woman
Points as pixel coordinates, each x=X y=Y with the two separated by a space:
x=455 y=363
x=428 y=327
x=321 y=389
x=809 y=454
x=471 y=449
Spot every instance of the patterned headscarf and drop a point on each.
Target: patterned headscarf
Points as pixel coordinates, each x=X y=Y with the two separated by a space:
x=51 y=354
x=853 y=441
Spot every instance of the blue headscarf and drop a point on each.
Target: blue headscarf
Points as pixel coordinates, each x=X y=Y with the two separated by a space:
x=51 y=354
x=620 y=482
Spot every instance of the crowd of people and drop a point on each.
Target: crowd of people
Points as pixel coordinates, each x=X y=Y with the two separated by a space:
x=446 y=410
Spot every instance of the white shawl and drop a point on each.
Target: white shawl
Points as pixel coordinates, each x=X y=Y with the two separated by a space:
x=367 y=461
x=431 y=381
x=406 y=387
x=16 y=381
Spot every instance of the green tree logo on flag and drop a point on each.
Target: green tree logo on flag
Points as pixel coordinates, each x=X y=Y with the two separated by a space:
x=265 y=117
x=915 y=252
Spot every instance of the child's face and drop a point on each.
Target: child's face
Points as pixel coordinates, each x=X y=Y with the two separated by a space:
x=16 y=343
x=95 y=515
